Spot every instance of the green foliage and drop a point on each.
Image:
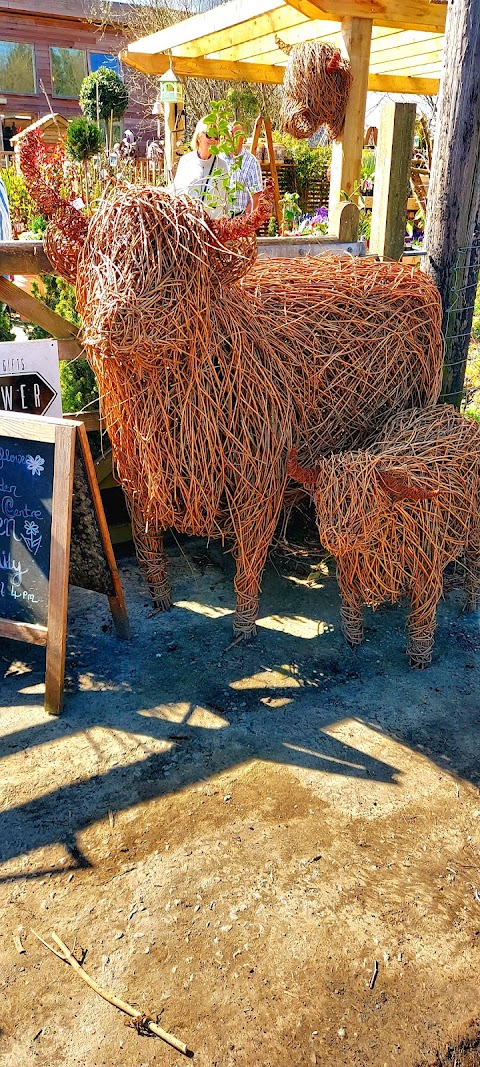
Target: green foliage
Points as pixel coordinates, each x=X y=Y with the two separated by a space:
x=219 y=117
x=472 y=377
x=5 y=324
x=77 y=380
x=37 y=225
x=310 y=163
x=112 y=95
x=83 y=140
x=21 y=204
x=245 y=103
x=290 y=210
x=272 y=228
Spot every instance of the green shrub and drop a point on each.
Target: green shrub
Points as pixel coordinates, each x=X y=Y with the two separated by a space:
x=5 y=324
x=22 y=208
x=272 y=229
x=112 y=95
x=83 y=140
x=77 y=380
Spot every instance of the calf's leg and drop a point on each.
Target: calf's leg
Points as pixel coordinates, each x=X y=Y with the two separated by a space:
x=152 y=559
x=351 y=614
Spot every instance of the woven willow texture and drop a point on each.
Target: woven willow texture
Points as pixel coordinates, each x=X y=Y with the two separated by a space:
x=207 y=382
x=395 y=514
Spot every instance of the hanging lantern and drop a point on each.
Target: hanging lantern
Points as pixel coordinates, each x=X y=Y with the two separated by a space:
x=171 y=90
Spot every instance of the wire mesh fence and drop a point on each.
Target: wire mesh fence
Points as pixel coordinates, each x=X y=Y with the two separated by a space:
x=462 y=332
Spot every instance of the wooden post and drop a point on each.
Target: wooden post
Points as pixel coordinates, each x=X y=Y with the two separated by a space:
x=454 y=192
x=347 y=153
x=392 y=168
x=169 y=114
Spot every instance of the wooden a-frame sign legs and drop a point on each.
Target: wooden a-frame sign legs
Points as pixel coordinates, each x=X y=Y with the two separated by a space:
x=37 y=462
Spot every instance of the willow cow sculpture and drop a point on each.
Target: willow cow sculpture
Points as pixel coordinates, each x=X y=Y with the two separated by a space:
x=207 y=380
x=395 y=514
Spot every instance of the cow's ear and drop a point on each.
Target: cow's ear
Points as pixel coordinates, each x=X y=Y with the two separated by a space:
x=307 y=476
x=398 y=486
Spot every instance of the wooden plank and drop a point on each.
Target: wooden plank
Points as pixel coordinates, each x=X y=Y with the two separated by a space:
x=392 y=83
x=69 y=349
x=22 y=426
x=204 y=68
x=33 y=310
x=258 y=47
x=394 y=152
x=278 y=21
x=24 y=257
x=23 y=631
x=347 y=153
x=214 y=21
x=59 y=560
x=117 y=601
x=273 y=170
x=407 y=15
x=263 y=73
x=89 y=419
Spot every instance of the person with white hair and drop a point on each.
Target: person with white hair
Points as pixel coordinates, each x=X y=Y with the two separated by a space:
x=203 y=174
x=5 y=222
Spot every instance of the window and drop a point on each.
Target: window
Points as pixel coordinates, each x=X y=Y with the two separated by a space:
x=69 y=68
x=17 y=68
x=104 y=59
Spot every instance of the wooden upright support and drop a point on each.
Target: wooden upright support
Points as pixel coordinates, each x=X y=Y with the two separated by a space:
x=347 y=153
x=259 y=122
x=392 y=168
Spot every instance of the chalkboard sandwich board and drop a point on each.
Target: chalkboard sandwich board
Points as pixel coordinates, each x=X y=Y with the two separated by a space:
x=37 y=462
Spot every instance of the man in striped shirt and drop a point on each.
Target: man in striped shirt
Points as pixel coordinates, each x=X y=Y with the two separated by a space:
x=246 y=179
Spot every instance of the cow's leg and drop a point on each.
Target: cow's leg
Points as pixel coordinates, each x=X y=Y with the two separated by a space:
x=422 y=622
x=472 y=577
x=152 y=559
x=351 y=614
x=251 y=549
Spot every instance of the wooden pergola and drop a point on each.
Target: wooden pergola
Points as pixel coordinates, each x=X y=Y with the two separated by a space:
x=394 y=46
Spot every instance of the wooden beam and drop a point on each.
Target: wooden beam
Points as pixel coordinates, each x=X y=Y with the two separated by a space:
x=391 y=83
x=409 y=15
x=24 y=257
x=347 y=153
x=205 y=68
x=252 y=48
x=394 y=153
x=33 y=310
x=191 y=29
x=240 y=20
x=257 y=73
x=278 y=21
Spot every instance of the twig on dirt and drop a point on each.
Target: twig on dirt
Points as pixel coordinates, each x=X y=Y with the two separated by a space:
x=374 y=975
x=18 y=944
x=139 y=1016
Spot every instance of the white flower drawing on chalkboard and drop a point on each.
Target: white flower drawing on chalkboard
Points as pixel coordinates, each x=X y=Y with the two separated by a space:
x=32 y=537
x=35 y=464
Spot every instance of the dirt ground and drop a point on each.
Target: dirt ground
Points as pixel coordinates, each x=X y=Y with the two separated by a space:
x=275 y=845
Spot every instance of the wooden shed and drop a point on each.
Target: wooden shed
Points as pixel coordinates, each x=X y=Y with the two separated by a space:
x=52 y=127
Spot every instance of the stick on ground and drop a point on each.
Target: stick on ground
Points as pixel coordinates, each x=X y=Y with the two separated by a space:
x=146 y=1022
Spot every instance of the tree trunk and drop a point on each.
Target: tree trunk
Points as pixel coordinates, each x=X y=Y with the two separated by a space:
x=454 y=194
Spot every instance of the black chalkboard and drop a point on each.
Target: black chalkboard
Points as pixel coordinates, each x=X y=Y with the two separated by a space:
x=26 y=489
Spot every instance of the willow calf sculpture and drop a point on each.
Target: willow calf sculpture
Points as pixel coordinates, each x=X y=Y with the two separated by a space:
x=207 y=382
x=395 y=514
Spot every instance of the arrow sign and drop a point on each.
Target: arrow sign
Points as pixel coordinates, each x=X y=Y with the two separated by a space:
x=27 y=393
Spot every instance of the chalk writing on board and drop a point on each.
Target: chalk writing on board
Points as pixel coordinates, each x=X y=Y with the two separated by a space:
x=26 y=484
